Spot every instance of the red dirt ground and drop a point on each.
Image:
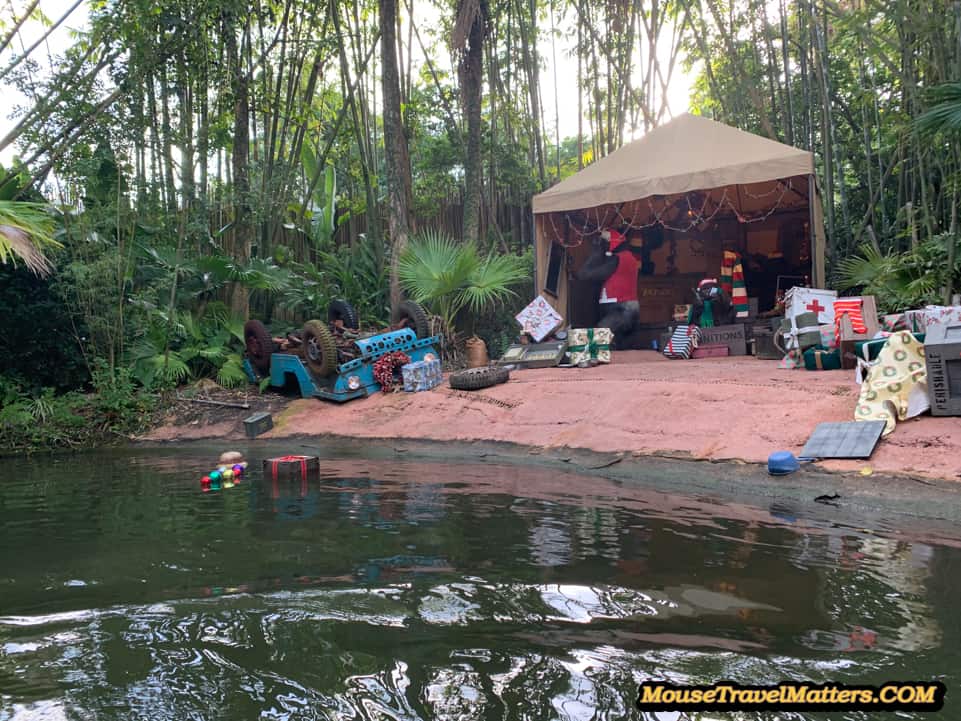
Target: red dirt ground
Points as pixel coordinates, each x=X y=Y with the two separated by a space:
x=717 y=409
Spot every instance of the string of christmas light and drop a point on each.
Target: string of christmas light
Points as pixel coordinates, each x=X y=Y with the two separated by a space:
x=760 y=196
x=698 y=217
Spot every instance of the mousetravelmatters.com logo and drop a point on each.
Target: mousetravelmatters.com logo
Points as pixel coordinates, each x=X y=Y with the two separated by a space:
x=726 y=696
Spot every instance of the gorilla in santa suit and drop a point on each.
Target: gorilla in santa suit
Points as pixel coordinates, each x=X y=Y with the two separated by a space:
x=615 y=263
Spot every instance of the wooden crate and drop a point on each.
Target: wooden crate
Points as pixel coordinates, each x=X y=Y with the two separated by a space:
x=869 y=310
x=733 y=336
x=711 y=351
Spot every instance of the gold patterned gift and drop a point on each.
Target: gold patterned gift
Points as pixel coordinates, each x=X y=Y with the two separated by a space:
x=586 y=344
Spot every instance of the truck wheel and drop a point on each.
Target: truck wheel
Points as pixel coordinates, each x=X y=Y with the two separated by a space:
x=341 y=310
x=320 y=350
x=259 y=345
x=473 y=379
x=411 y=315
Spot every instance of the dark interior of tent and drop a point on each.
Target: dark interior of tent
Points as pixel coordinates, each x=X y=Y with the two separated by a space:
x=681 y=240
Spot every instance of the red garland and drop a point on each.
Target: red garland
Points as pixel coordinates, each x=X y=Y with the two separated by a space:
x=385 y=366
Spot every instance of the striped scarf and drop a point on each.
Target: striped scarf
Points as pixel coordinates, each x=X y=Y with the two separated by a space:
x=853 y=309
x=732 y=283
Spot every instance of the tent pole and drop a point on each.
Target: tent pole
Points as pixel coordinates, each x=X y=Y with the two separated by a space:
x=816 y=280
x=537 y=243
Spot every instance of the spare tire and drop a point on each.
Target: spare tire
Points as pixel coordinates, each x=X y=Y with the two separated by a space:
x=341 y=310
x=320 y=350
x=411 y=315
x=259 y=345
x=473 y=379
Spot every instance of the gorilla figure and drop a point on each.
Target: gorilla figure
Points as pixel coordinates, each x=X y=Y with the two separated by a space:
x=615 y=264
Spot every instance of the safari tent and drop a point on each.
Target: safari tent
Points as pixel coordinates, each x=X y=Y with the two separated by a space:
x=684 y=192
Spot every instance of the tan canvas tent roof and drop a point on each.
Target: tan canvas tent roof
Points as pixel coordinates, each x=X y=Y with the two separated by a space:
x=688 y=153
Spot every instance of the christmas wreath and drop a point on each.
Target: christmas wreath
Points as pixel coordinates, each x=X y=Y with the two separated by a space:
x=386 y=367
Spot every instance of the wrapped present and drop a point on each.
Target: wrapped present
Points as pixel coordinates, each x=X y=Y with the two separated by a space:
x=822 y=359
x=918 y=321
x=869 y=350
x=538 y=319
x=811 y=300
x=828 y=339
x=793 y=360
x=893 y=322
x=683 y=342
x=586 y=344
x=801 y=332
x=421 y=375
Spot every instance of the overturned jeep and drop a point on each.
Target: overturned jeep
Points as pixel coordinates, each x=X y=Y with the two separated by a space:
x=334 y=360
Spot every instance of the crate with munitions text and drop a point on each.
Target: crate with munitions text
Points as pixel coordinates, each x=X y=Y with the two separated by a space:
x=734 y=336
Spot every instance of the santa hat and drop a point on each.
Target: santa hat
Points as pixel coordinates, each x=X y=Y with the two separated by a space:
x=617 y=238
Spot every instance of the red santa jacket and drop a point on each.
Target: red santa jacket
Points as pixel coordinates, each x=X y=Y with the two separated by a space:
x=622 y=285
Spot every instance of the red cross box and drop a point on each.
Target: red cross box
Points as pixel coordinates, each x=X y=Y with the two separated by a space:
x=811 y=300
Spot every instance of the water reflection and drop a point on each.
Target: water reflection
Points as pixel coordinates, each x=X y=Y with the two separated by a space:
x=409 y=591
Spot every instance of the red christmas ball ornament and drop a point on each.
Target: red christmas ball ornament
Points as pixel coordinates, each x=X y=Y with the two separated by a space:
x=205 y=484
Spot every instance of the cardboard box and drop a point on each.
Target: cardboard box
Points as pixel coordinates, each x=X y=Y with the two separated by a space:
x=849 y=338
x=733 y=336
x=942 y=351
x=698 y=254
x=657 y=295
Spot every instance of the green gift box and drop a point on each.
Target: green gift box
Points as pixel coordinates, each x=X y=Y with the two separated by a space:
x=822 y=359
x=806 y=330
x=869 y=350
x=586 y=344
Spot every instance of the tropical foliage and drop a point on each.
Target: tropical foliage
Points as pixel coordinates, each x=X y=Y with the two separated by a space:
x=210 y=162
x=901 y=281
x=453 y=278
x=26 y=234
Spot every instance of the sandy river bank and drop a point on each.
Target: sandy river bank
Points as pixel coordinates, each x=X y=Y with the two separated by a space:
x=642 y=404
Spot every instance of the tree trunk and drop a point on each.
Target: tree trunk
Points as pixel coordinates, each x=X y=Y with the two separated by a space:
x=468 y=41
x=397 y=157
x=243 y=230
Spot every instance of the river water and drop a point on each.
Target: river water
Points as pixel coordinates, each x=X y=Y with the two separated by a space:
x=406 y=590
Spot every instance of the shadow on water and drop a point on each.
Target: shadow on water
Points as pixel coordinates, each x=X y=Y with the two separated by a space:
x=408 y=590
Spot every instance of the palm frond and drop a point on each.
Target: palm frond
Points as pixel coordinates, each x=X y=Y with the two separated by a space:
x=231 y=374
x=433 y=265
x=944 y=115
x=492 y=280
x=26 y=231
x=864 y=268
